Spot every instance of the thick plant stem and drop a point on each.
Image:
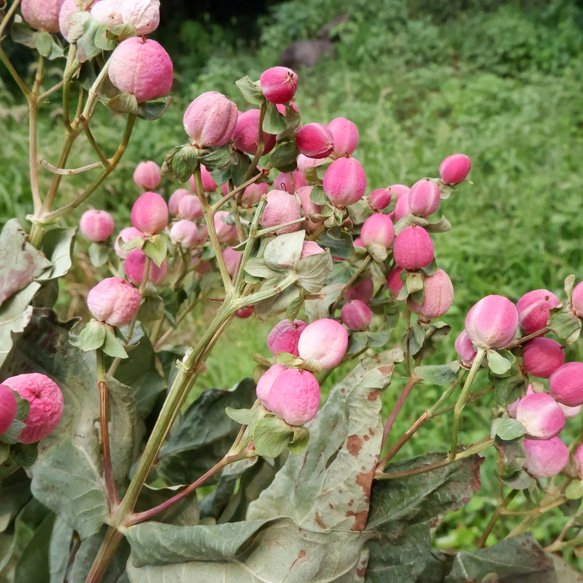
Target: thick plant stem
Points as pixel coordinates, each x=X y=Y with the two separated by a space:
x=110 y=544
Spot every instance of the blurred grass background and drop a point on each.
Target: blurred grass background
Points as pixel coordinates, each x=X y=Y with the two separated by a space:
x=500 y=81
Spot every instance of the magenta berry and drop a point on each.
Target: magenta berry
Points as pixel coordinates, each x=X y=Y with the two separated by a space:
x=362 y=291
x=534 y=309
x=246 y=134
x=344 y=182
x=315 y=140
x=141 y=67
x=413 y=248
x=356 y=315
x=455 y=168
x=394 y=282
x=285 y=337
x=8 y=407
x=541 y=416
x=96 y=225
x=294 y=396
x=379 y=199
x=281 y=208
x=46 y=404
x=279 y=84
x=184 y=233
x=566 y=384
x=438 y=297
x=545 y=458
x=266 y=381
x=324 y=340
x=402 y=208
x=465 y=348
x=210 y=120
x=244 y=313
x=423 y=198
x=134 y=266
x=225 y=232
x=378 y=229
x=125 y=235
x=42 y=14
x=147 y=175
x=541 y=357
x=190 y=207
x=577 y=300
x=150 y=214
x=345 y=134
x=143 y=15
x=492 y=322
x=114 y=301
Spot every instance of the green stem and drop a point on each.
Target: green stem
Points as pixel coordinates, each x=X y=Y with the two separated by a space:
x=101 y=562
x=411 y=382
x=494 y=519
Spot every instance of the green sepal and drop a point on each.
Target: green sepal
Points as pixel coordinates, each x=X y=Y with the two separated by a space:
x=566 y=326
x=216 y=158
x=339 y=242
x=574 y=490
x=507 y=429
x=98 y=254
x=156 y=248
x=273 y=122
x=272 y=436
x=300 y=440
x=250 y=90
x=24 y=454
x=151 y=309
x=113 y=346
x=318 y=196
x=92 y=337
x=180 y=163
x=499 y=362
x=285 y=156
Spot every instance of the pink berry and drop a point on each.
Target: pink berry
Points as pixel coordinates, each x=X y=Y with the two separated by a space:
x=399 y=190
x=455 y=168
x=114 y=301
x=413 y=248
x=345 y=134
x=184 y=233
x=141 y=67
x=541 y=416
x=304 y=162
x=310 y=248
x=356 y=315
x=134 y=266
x=150 y=214
x=512 y=407
x=423 y=198
x=246 y=134
x=281 y=208
x=566 y=384
x=344 y=182
x=210 y=120
x=147 y=175
x=46 y=404
x=244 y=313
x=68 y=8
x=107 y=12
x=232 y=260
x=253 y=193
x=577 y=300
x=394 y=282
x=570 y=412
x=402 y=208
x=208 y=184
x=438 y=297
x=379 y=199
x=8 y=407
x=279 y=84
x=541 y=357
x=175 y=199
x=578 y=455
x=378 y=229
x=285 y=337
x=42 y=14
x=363 y=291
x=534 y=309
x=225 y=232
x=190 y=207
x=492 y=322
x=324 y=340
x=465 y=348
x=290 y=181
x=96 y=225
x=294 y=396
x=143 y=15
x=266 y=381
x=309 y=207
x=545 y=458
x=315 y=140
x=125 y=235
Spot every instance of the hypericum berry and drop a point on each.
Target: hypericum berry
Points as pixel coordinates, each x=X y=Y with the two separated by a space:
x=511 y=407
x=570 y=412
x=294 y=396
x=492 y=322
x=345 y=134
x=534 y=309
x=356 y=315
x=114 y=301
x=545 y=458
x=455 y=168
x=344 y=182
x=566 y=384
x=304 y=162
x=266 y=381
x=232 y=259
x=42 y=14
x=310 y=248
x=210 y=120
x=141 y=67
x=68 y=8
x=290 y=181
x=190 y=207
x=465 y=348
x=413 y=248
x=379 y=199
x=150 y=214
x=175 y=199
x=134 y=266
x=225 y=232
x=147 y=175
x=208 y=183
x=281 y=208
x=438 y=297
x=184 y=233
x=423 y=198
x=309 y=207
x=279 y=84
x=96 y=225
x=107 y=12
x=8 y=407
x=541 y=416
x=394 y=282
x=541 y=357
x=378 y=229
x=285 y=337
x=324 y=340
x=143 y=15
x=244 y=313
x=246 y=134
x=125 y=235
x=577 y=300
x=253 y=193
x=46 y=404
x=362 y=291
x=315 y=140
x=402 y=208
x=399 y=190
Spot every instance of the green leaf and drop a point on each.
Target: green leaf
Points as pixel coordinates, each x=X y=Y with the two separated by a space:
x=313 y=271
x=566 y=326
x=294 y=307
x=124 y=103
x=156 y=248
x=318 y=196
x=339 y=242
x=574 y=490
x=274 y=122
x=152 y=110
x=92 y=336
x=497 y=363
x=284 y=250
x=239 y=168
x=256 y=267
x=509 y=387
x=509 y=429
x=440 y=375
x=251 y=91
x=182 y=513
x=14 y=494
x=271 y=436
x=46 y=45
x=113 y=346
x=284 y=157
x=518 y=480
x=278 y=304
x=33 y=564
x=300 y=440
x=24 y=454
x=151 y=309
x=217 y=158
x=98 y=254
x=23 y=34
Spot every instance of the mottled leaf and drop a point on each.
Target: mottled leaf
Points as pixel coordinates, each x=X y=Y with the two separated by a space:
x=58 y=248
x=440 y=375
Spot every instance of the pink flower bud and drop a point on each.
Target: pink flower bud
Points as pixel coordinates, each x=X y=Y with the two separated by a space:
x=413 y=248
x=402 y=208
x=143 y=15
x=394 y=282
x=246 y=134
x=455 y=168
x=225 y=232
x=114 y=301
x=310 y=248
x=279 y=84
x=290 y=181
x=541 y=416
x=42 y=14
x=150 y=214
x=438 y=297
x=566 y=384
x=253 y=193
x=577 y=300
x=147 y=57
x=97 y=226
x=465 y=348
x=345 y=134
x=281 y=208
x=208 y=184
x=570 y=412
x=324 y=340
x=134 y=266
x=356 y=315
x=344 y=182
x=423 y=198
x=545 y=458
x=175 y=198
x=379 y=199
x=190 y=207
x=184 y=233
x=266 y=381
x=315 y=140
x=309 y=207
x=541 y=357
x=147 y=175
x=534 y=308
x=362 y=291
x=125 y=235
x=107 y=12
x=378 y=229
x=8 y=407
x=232 y=260
x=492 y=322
x=285 y=337
x=294 y=396
x=210 y=120
x=578 y=455
x=46 y=404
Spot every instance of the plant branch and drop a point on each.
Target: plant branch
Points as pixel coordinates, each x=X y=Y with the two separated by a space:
x=411 y=382
x=68 y=171
x=494 y=519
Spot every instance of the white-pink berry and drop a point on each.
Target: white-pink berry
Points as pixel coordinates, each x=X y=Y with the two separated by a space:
x=545 y=458
x=438 y=297
x=143 y=15
x=96 y=225
x=150 y=214
x=147 y=175
x=534 y=309
x=423 y=198
x=281 y=208
x=492 y=322
x=284 y=337
x=266 y=381
x=210 y=120
x=344 y=182
x=294 y=396
x=114 y=301
x=378 y=229
x=345 y=135
x=413 y=248
x=540 y=415
x=324 y=340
